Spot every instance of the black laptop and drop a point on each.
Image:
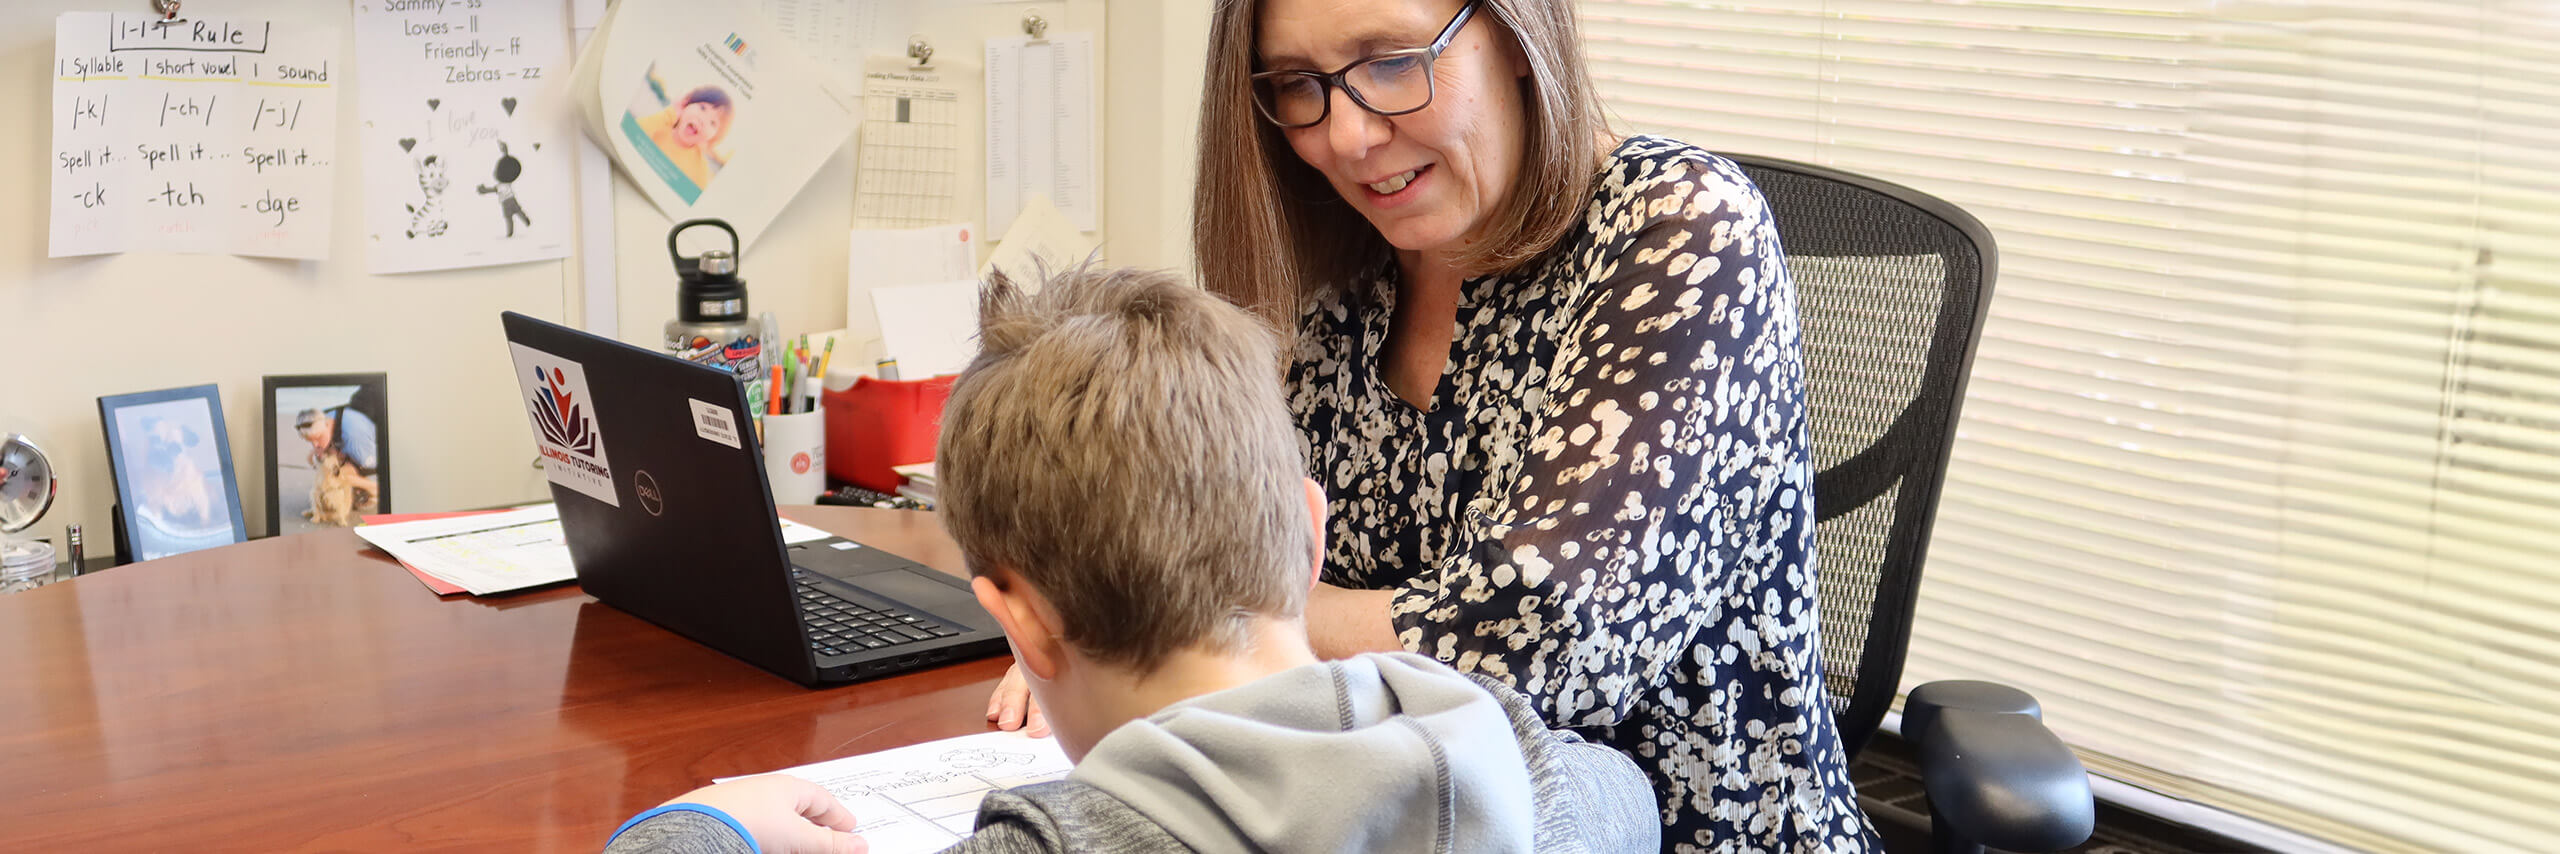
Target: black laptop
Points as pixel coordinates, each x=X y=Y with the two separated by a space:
x=663 y=501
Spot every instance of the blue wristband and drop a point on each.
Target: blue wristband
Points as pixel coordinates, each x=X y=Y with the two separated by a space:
x=711 y=811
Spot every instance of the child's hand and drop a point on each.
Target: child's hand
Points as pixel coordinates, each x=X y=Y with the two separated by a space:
x=1012 y=707
x=786 y=815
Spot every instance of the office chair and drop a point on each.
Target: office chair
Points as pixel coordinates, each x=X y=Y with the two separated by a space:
x=1893 y=285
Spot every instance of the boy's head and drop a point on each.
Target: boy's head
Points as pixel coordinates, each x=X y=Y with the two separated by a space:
x=1121 y=445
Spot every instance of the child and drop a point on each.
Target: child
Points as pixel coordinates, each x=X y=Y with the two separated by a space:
x=689 y=133
x=1120 y=471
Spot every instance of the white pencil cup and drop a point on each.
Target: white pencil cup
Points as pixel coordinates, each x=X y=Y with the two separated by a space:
x=795 y=456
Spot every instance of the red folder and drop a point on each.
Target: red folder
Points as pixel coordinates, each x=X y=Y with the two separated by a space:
x=433 y=583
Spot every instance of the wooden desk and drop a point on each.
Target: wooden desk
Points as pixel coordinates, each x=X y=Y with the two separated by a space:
x=299 y=694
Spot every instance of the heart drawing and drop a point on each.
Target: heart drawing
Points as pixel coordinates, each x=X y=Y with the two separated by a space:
x=509 y=103
x=408 y=142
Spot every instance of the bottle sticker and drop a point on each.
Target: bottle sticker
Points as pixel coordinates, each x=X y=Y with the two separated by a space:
x=564 y=422
x=713 y=423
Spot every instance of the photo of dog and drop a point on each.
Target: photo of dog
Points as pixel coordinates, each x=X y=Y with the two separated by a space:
x=341 y=494
x=327 y=455
x=171 y=482
x=173 y=471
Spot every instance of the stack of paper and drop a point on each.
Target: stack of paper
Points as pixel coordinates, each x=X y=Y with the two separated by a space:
x=919 y=483
x=498 y=552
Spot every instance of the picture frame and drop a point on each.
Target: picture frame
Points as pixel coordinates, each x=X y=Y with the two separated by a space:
x=176 y=490
x=328 y=440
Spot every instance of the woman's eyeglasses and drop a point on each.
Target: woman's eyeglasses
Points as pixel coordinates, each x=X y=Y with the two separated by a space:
x=1389 y=84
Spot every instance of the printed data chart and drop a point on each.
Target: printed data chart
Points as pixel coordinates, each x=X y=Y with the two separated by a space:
x=907 y=169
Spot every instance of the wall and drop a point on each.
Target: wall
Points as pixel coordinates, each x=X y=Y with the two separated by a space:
x=120 y=323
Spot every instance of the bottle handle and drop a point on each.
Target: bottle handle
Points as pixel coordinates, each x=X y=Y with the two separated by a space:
x=681 y=227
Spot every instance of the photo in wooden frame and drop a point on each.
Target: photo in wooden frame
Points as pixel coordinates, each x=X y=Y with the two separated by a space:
x=328 y=442
x=176 y=491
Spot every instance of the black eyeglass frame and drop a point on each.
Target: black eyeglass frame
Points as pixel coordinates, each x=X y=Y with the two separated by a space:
x=1337 y=78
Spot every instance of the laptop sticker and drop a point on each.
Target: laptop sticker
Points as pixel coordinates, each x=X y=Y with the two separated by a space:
x=713 y=423
x=564 y=422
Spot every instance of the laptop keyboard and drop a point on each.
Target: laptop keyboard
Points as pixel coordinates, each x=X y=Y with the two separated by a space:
x=838 y=627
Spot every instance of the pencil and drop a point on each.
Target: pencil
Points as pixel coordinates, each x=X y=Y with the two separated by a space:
x=826 y=359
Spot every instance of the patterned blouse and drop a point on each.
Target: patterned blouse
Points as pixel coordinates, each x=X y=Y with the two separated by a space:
x=1607 y=503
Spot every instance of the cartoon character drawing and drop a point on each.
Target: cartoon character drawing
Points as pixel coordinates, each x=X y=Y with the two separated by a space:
x=508 y=170
x=427 y=216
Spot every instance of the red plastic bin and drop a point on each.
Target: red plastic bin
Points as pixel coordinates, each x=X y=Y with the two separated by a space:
x=876 y=424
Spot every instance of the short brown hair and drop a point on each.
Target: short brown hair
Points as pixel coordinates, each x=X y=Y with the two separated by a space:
x=1121 y=443
x=1268 y=232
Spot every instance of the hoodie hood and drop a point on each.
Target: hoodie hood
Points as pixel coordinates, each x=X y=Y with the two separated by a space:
x=1382 y=752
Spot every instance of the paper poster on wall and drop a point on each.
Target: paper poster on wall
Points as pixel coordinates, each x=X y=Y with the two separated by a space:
x=907 y=168
x=214 y=135
x=707 y=111
x=1040 y=110
x=466 y=164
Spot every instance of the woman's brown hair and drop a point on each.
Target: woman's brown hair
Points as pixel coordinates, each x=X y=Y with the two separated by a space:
x=1269 y=233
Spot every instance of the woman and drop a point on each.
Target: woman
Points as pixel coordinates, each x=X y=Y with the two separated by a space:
x=1552 y=383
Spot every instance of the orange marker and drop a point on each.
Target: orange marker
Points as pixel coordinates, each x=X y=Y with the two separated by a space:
x=773 y=393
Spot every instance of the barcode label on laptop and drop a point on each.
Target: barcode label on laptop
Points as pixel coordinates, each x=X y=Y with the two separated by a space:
x=713 y=423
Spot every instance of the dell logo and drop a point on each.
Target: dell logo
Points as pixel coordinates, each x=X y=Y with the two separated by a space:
x=651 y=499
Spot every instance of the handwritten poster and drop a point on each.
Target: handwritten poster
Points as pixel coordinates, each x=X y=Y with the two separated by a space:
x=213 y=135
x=466 y=163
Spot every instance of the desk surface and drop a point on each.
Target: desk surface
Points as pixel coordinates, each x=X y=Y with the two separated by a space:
x=300 y=694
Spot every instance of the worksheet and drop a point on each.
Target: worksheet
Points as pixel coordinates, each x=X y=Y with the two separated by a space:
x=925 y=797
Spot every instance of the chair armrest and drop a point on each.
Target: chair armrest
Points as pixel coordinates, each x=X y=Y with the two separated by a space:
x=1995 y=775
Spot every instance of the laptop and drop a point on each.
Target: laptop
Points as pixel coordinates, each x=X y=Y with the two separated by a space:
x=653 y=462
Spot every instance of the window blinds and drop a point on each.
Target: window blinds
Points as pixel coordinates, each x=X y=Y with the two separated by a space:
x=2258 y=487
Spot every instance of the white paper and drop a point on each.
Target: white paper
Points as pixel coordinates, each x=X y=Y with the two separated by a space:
x=467 y=163
x=931 y=330
x=907 y=171
x=1040 y=128
x=490 y=553
x=839 y=33
x=215 y=135
x=881 y=257
x=708 y=110
x=924 y=797
x=498 y=552
x=1041 y=240
x=794 y=533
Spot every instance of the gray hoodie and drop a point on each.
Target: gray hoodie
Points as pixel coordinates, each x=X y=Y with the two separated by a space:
x=1383 y=752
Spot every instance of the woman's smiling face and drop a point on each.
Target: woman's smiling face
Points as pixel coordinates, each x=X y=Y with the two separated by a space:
x=1427 y=180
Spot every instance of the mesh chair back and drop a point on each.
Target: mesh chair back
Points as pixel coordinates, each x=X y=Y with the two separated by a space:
x=1892 y=284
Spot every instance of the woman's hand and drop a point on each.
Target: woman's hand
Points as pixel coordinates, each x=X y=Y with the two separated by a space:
x=786 y=815
x=1012 y=707
x=1343 y=622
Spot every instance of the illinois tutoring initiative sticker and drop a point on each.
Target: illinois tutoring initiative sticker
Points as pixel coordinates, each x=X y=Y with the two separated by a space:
x=564 y=422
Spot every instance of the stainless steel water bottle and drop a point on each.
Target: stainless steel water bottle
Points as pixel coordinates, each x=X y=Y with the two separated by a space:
x=712 y=326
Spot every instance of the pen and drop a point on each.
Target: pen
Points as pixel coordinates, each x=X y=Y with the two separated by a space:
x=788 y=382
